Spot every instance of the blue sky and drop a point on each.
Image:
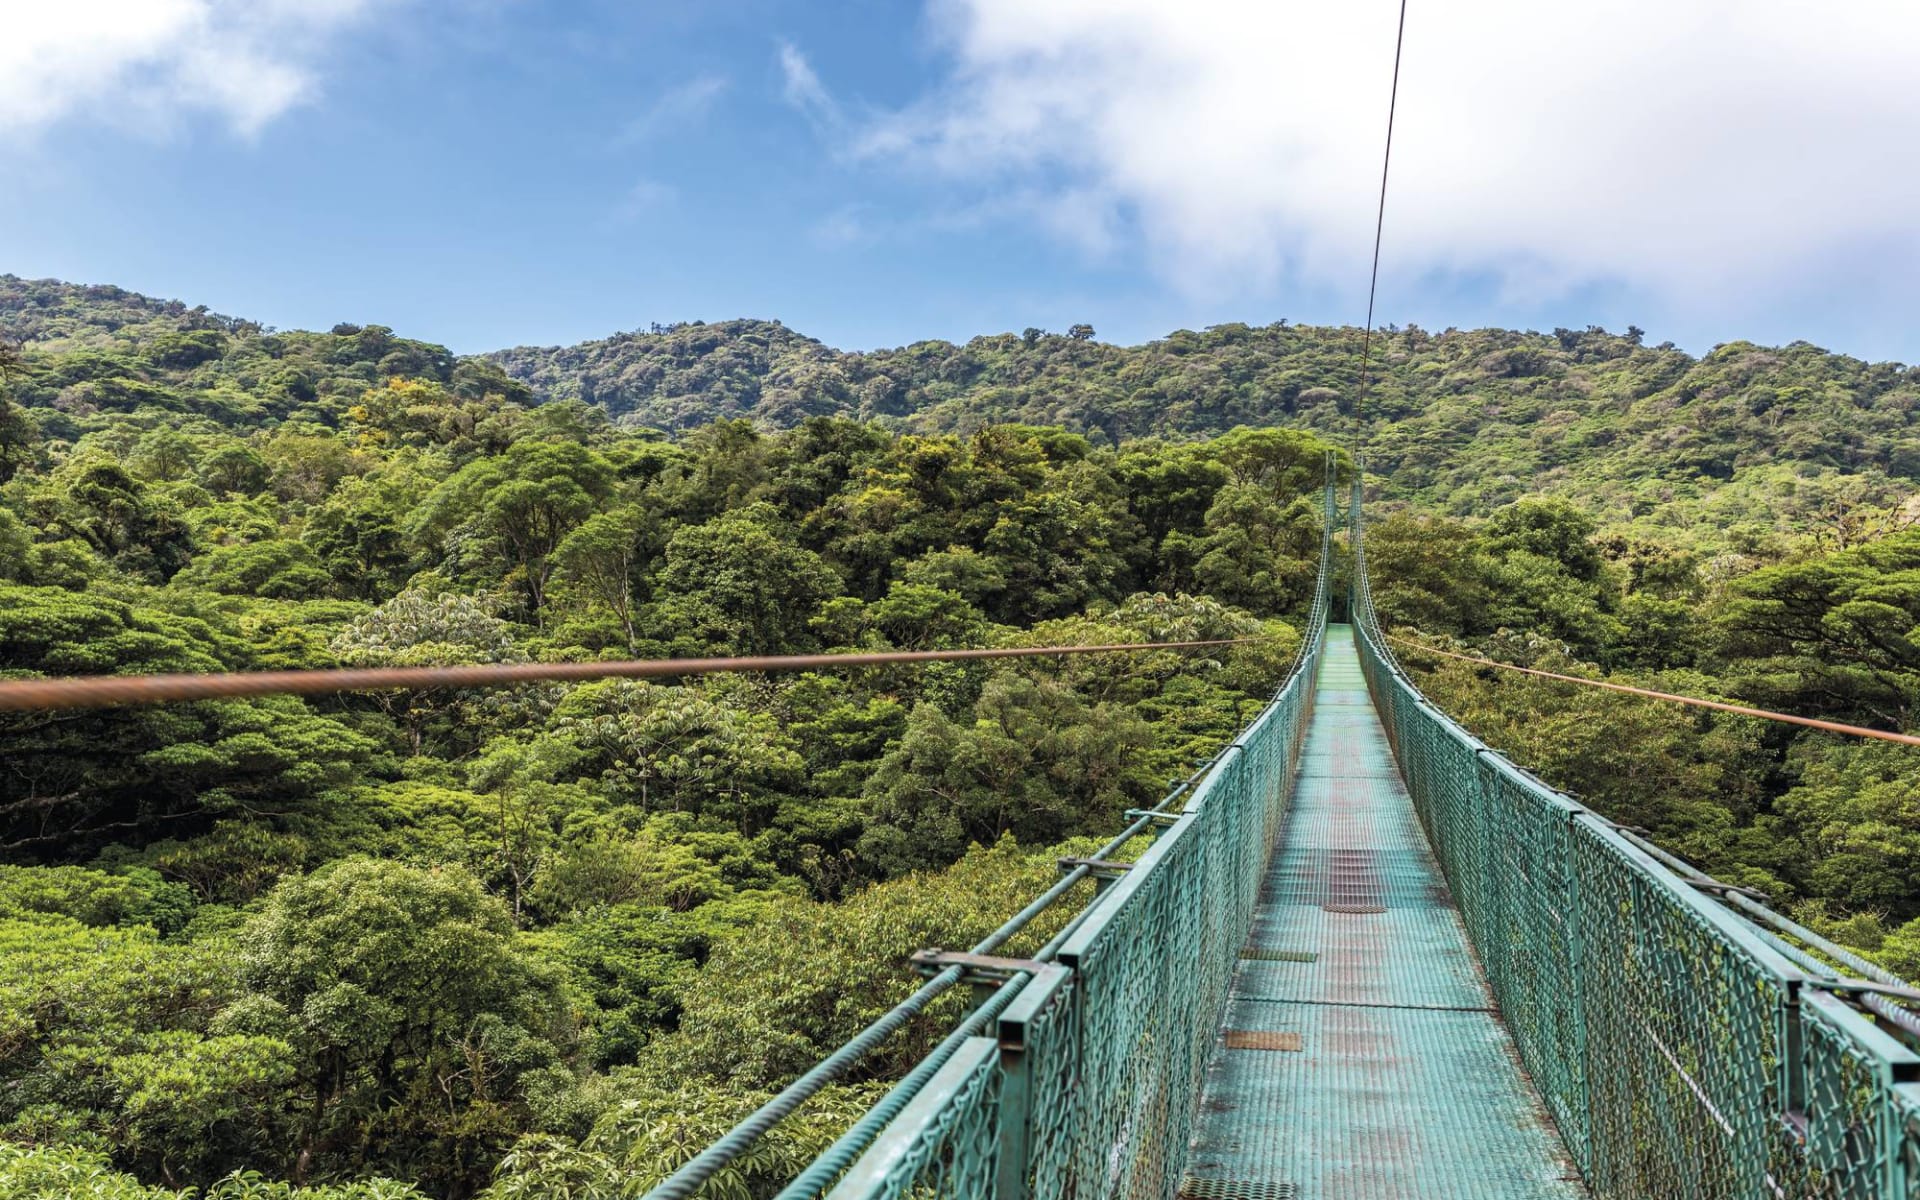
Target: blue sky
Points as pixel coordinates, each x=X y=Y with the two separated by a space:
x=504 y=172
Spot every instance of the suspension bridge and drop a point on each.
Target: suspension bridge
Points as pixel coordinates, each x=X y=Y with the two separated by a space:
x=1357 y=955
x=1363 y=956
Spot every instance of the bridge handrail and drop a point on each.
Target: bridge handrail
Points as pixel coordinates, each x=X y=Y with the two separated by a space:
x=1684 y=1037
x=986 y=1090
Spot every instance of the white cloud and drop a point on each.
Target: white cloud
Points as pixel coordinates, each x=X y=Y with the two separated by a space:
x=1713 y=152
x=679 y=105
x=802 y=89
x=144 y=64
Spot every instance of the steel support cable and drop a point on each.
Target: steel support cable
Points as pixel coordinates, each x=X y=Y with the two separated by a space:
x=1380 y=214
x=838 y=1157
x=704 y=1165
x=1905 y=739
x=851 y=1144
x=848 y=1147
x=101 y=691
x=1836 y=1095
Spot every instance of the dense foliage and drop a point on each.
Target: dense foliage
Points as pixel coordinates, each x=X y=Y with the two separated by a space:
x=1731 y=449
x=549 y=940
x=1739 y=445
x=546 y=938
x=1828 y=826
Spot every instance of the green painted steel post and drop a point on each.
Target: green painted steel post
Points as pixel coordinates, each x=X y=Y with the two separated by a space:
x=1793 y=1061
x=1016 y=1121
x=1576 y=963
x=1016 y=1081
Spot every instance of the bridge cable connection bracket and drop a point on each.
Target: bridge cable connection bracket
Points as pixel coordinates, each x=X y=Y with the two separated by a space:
x=1154 y=816
x=1720 y=889
x=975 y=968
x=1099 y=868
x=1698 y=882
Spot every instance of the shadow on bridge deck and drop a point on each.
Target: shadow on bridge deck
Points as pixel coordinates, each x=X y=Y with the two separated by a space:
x=1361 y=1056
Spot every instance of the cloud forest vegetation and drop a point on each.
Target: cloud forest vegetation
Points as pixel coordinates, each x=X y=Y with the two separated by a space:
x=549 y=940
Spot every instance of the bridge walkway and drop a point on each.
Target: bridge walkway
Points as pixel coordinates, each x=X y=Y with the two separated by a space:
x=1361 y=1057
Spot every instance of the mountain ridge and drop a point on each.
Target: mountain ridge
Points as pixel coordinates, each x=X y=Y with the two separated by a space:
x=1460 y=420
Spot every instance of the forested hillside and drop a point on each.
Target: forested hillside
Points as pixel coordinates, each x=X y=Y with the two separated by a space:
x=1748 y=440
x=1726 y=450
x=544 y=936
x=545 y=940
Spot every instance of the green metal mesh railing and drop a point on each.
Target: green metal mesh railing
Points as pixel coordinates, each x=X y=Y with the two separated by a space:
x=1084 y=1084
x=1688 y=1041
x=1687 y=1046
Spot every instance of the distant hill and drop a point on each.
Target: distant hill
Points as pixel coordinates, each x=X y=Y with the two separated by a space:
x=1745 y=437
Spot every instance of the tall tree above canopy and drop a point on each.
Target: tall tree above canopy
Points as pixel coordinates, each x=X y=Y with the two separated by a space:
x=417 y=629
x=1286 y=462
x=402 y=993
x=1551 y=528
x=1835 y=636
x=740 y=582
x=599 y=561
x=517 y=507
x=122 y=519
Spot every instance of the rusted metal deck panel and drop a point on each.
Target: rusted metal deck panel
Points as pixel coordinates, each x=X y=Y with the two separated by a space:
x=1398 y=1079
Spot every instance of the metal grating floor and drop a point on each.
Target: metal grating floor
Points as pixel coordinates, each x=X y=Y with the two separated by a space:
x=1406 y=1083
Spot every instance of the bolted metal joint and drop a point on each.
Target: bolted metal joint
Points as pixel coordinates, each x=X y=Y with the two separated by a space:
x=976 y=968
x=1099 y=868
x=1154 y=816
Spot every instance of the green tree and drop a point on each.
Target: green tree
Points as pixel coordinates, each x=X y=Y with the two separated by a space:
x=1036 y=762
x=1430 y=573
x=117 y=516
x=673 y=749
x=237 y=469
x=131 y=774
x=1057 y=551
x=418 y=629
x=358 y=534
x=738 y=582
x=17 y=434
x=414 y=1019
x=519 y=506
x=1552 y=529
x=1285 y=462
x=164 y=455
x=279 y=570
x=16 y=549
x=600 y=560
x=1832 y=635
x=1851 y=827
x=1259 y=554
x=113 y=1038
